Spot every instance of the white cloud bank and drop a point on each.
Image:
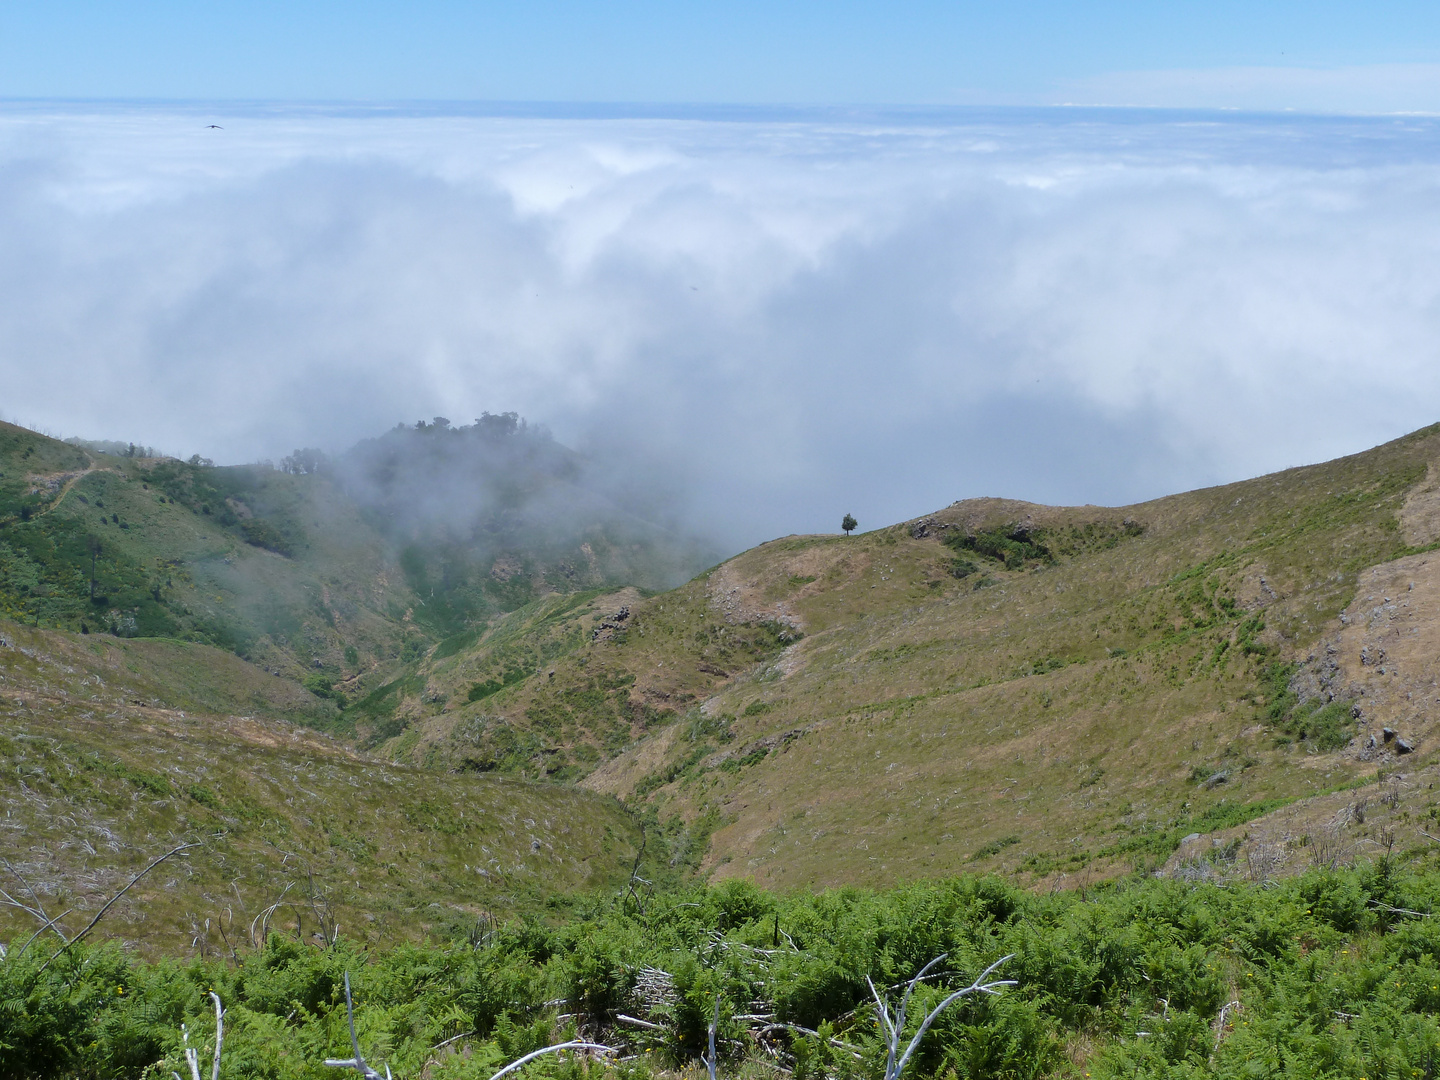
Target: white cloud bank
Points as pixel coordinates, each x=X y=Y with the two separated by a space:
x=791 y=318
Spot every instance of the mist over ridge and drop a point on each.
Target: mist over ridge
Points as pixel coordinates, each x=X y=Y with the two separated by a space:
x=772 y=318
x=466 y=505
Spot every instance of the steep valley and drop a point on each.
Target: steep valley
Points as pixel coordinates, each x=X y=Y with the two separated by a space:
x=1238 y=680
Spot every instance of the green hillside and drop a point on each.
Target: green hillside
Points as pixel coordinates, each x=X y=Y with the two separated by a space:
x=277 y=568
x=1235 y=681
x=329 y=573
x=172 y=636
x=1057 y=692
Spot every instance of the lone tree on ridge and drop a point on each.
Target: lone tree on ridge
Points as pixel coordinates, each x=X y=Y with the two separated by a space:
x=848 y=523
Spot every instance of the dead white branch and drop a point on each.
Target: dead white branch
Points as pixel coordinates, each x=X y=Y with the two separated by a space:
x=839 y=1043
x=47 y=924
x=38 y=911
x=358 y=1061
x=192 y=1056
x=894 y=1022
x=709 y=1059
x=576 y=1044
x=1399 y=910
x=635 y=1021
x=1224 y=1018
x=453 y=1039
x=263 y=919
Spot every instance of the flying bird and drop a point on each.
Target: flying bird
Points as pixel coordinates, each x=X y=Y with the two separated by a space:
x=217 y=127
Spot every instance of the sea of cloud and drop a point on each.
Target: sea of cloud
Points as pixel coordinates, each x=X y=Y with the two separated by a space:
x=777 y=317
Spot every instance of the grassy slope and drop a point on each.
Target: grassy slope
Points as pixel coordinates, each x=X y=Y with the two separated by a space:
x=539 y=694
x=111 y=734
x=99 y=778
x=174 y=559
x=1053 y=719
x=288 y=571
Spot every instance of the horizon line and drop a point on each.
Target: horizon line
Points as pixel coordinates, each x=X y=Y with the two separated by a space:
x=561 y=109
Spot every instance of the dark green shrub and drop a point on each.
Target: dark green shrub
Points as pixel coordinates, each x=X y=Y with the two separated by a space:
x=321 y=685
x=289 y=976
x=1013 y=545
x=1330 y=983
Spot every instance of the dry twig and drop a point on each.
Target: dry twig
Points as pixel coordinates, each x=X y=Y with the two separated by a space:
x=575 y=1044
x=358 y=1061
x=1222 y=1019
x=709 y=1059
x=101 y=913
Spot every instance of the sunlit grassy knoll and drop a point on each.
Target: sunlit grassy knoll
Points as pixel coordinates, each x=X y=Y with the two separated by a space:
x=1050 y=717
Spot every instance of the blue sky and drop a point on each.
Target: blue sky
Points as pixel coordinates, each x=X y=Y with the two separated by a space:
x=1315 y=55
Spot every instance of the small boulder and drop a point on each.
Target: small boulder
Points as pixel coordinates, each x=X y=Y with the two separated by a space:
x=1403 y=746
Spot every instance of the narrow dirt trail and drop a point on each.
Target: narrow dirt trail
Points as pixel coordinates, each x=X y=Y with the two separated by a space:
x=69 y=485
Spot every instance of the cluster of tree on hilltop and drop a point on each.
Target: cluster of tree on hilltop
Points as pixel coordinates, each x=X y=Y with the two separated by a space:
x=438 y=478
x=488 y=515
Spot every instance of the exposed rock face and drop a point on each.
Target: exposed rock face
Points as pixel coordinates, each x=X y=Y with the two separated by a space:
x=614 y=622
x=1386 y=656
x=929 y=527
x=740 y=599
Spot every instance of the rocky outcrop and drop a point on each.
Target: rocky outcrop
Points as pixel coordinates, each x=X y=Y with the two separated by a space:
x=1385 y=659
